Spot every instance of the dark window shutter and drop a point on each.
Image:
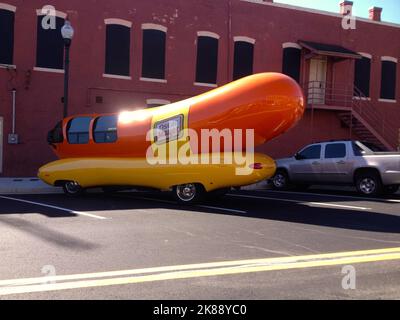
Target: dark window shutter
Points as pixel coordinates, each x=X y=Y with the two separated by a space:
x=291 y=63
x=388 y=82
x=50 y=45
x=153 y=54
x=243 y=59
x=118 y=45
x=6 y=36
x=362 y=75
x=207 y=60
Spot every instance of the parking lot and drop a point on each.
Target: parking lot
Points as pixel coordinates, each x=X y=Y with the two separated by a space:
x=248 y=245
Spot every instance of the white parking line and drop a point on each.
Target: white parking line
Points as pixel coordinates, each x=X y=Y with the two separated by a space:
x=57 y=208
x=333 y=196
x=222 y=209
x=323 y=204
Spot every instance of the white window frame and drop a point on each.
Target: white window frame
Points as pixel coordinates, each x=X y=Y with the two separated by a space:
x=244 y=39
x=120 y=22
x=208 y=34
x=291 y=45
x=8 y=7
x=153 y=26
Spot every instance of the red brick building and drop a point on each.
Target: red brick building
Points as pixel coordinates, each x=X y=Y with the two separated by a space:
x=129 y=54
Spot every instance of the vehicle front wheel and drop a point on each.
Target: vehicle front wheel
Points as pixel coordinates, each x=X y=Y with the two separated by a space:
x=280 y=181
x=72 y=188
x=369 y=184
x=391 y=189
x=189 y=193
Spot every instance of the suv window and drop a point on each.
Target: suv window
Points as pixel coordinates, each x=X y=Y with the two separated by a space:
x=335 y=150
x=78 y=130
x=105 y=129
x=311 y=152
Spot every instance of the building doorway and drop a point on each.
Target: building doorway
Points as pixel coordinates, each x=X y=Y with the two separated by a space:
x=317 y=81
x=1 y=145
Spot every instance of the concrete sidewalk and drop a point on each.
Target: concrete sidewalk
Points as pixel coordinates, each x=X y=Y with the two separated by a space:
x=26 y=186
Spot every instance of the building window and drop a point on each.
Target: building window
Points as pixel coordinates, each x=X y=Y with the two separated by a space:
x=50 y=44
x=7 y=18
x=207 y=58
x=291 y=60
x=362 y=76
x=118 y=45
x=243 y=57
x=105 y=129
x=152 y=103
x=78 y=130
x=388 y=80
x=154 y=42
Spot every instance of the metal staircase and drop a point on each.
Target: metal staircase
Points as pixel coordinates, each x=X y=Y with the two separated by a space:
x=355 y=111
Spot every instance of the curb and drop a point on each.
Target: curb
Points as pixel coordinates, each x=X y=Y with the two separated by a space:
x=26 y=186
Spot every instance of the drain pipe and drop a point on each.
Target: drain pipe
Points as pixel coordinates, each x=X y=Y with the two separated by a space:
x=14 y=91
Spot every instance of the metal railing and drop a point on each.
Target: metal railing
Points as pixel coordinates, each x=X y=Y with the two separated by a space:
x=348 y=97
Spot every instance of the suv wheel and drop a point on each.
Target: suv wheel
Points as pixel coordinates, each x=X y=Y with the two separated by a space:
x=280 y=181
x=369 y=184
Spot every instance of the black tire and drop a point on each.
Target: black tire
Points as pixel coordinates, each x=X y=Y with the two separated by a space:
x=72 y=188
x=369 y=184
x=189 y=193
x=280 y=181
x=391 y=189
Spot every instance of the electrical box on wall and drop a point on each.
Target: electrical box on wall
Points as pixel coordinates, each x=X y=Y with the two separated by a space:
x=13 y=138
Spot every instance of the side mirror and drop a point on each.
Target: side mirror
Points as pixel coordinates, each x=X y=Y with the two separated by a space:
x=297 y=156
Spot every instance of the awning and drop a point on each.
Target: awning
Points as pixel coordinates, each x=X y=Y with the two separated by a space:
x=329 y=50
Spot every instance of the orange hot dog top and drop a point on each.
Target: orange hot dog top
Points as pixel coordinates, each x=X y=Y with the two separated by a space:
x=269 y=103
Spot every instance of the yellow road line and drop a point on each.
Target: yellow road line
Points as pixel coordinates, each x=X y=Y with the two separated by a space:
x=30 y=285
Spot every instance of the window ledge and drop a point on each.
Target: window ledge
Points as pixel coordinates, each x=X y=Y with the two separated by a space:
x=115 y=76
x=153 y=80
x=387 y=100
x=48 y=70
x=200 y=84
x=7 y=66
x=362 y=98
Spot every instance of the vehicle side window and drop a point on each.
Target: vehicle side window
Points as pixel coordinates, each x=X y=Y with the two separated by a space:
x=357 y=150
x=105 y=129
x=312 y=152
x=78 y=130
x=335 y=150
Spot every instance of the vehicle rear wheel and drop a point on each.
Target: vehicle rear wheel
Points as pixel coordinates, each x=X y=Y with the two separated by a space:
x=280 y=181
x=391 y=189
x=369 y=184
x=72 y=188
x=189 y=193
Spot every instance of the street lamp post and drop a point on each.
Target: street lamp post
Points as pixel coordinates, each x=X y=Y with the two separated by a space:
x=67 y=33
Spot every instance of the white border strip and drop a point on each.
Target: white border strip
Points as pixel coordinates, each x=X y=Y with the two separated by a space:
x=365 y=55
x=48 y=70
x=211 y=85
x=153 y=80
x=391 y=59
x=157 y=101
x=7 y=66
x=117 y=21
x=43 y=12
x=208 y=34
x=7 y=7
x=387 y=100
x=244 y=39
x=291 y=45
x=115 y=76
x=153 y=26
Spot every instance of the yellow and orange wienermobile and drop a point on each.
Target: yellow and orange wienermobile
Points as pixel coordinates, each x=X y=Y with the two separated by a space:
x=169 y=147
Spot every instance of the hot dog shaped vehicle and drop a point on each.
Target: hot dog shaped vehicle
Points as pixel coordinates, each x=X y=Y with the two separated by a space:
x=202 y=144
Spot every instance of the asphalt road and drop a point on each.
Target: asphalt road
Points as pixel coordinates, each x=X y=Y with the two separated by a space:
x=248 y=245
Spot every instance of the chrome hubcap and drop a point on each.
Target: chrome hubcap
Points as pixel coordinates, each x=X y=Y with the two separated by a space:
x=186 y=192
x=367 y=185
x=72 y=187
x=279 y=180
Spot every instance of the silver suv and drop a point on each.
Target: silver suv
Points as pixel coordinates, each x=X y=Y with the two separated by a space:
x=340 y=163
